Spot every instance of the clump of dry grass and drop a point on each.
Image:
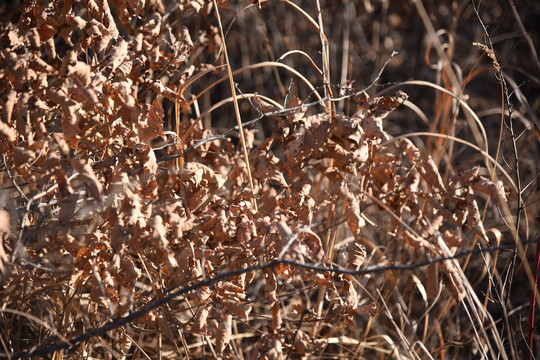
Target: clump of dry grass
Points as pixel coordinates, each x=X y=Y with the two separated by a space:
x=337 y=219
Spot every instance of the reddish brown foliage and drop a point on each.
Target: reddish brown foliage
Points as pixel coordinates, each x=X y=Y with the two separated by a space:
x=113 y=220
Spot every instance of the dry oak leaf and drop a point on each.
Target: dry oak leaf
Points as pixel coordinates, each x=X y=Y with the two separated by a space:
x=495 y=190
x=277 y=321
x=22 y=155
x=237 y=308
x=155 y=118
x=137 y=6
x=146 y=156
x=10 y=99
x=224 y=332
x=350 y=295
x=160 y=237
x=269 y=347
x=164 y=327
x=199 y=325
x=89 y=178
x=373 y=128
x=356 y=255
x=474 y=220
x=150 y=121
x=451 y=269
x=4 y=234
x=229 y=289
x=128 y=273
x=98 y=36
x=115 y=57
x=270 y=286
x=305 y=345
x=163 y=90
x=313 y=242
x=70 y=118
x=122 y=90
x=382 y=106
x=431 y=174
x=202 y=175
x=182 y=45
x=352 y=214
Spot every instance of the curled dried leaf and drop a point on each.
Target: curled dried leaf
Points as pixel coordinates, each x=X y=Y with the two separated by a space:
x=495 y=190
x=269 y=347
x=451 y=269
x=4 y=234
x=237 y=308
x=163 y=90
x=277 y=321
x=199 y=325
x=89 y=178
x=356 y=255
x=352 y=214
x=474 y=220
x=224 y=332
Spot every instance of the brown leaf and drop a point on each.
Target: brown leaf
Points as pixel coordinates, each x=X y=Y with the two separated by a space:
x=159 y=236
x=302 y=342
x=75 y=70
x=98 y=35
x=431 y=174
x=416 y=241
x=116 y=56
x=451 y=269
x=306 y=346
x=410 y=150
x=350 y=295
x=269 y=347
x=352 y=215
x=224 y=332
x=314 y=251
x=474 y=220
x=165 y=328
x=23 y=125
x=199 y=325
x=373 y=128
x=155 y=118
x=81 y=266
x=237 y=308
x=5 y=231
x=163 y=90
x=89 y=178
x=137 y=6
x=9 y=104
x=381 y=107
x=128 y=272
x=276 y=317
x=201 y=175
x=270 y=286
x=22 y=155
x=356 y=256
x=42 y=66
x=122 y=90
x=495 y=190
x=69 y=115
x=146 y=157
x=467 y=175
x=108 y=19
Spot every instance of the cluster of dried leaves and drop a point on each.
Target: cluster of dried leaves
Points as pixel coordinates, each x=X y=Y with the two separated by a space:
x=96 y=226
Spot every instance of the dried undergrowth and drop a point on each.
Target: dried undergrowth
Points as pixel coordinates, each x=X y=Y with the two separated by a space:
x=139 y=222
